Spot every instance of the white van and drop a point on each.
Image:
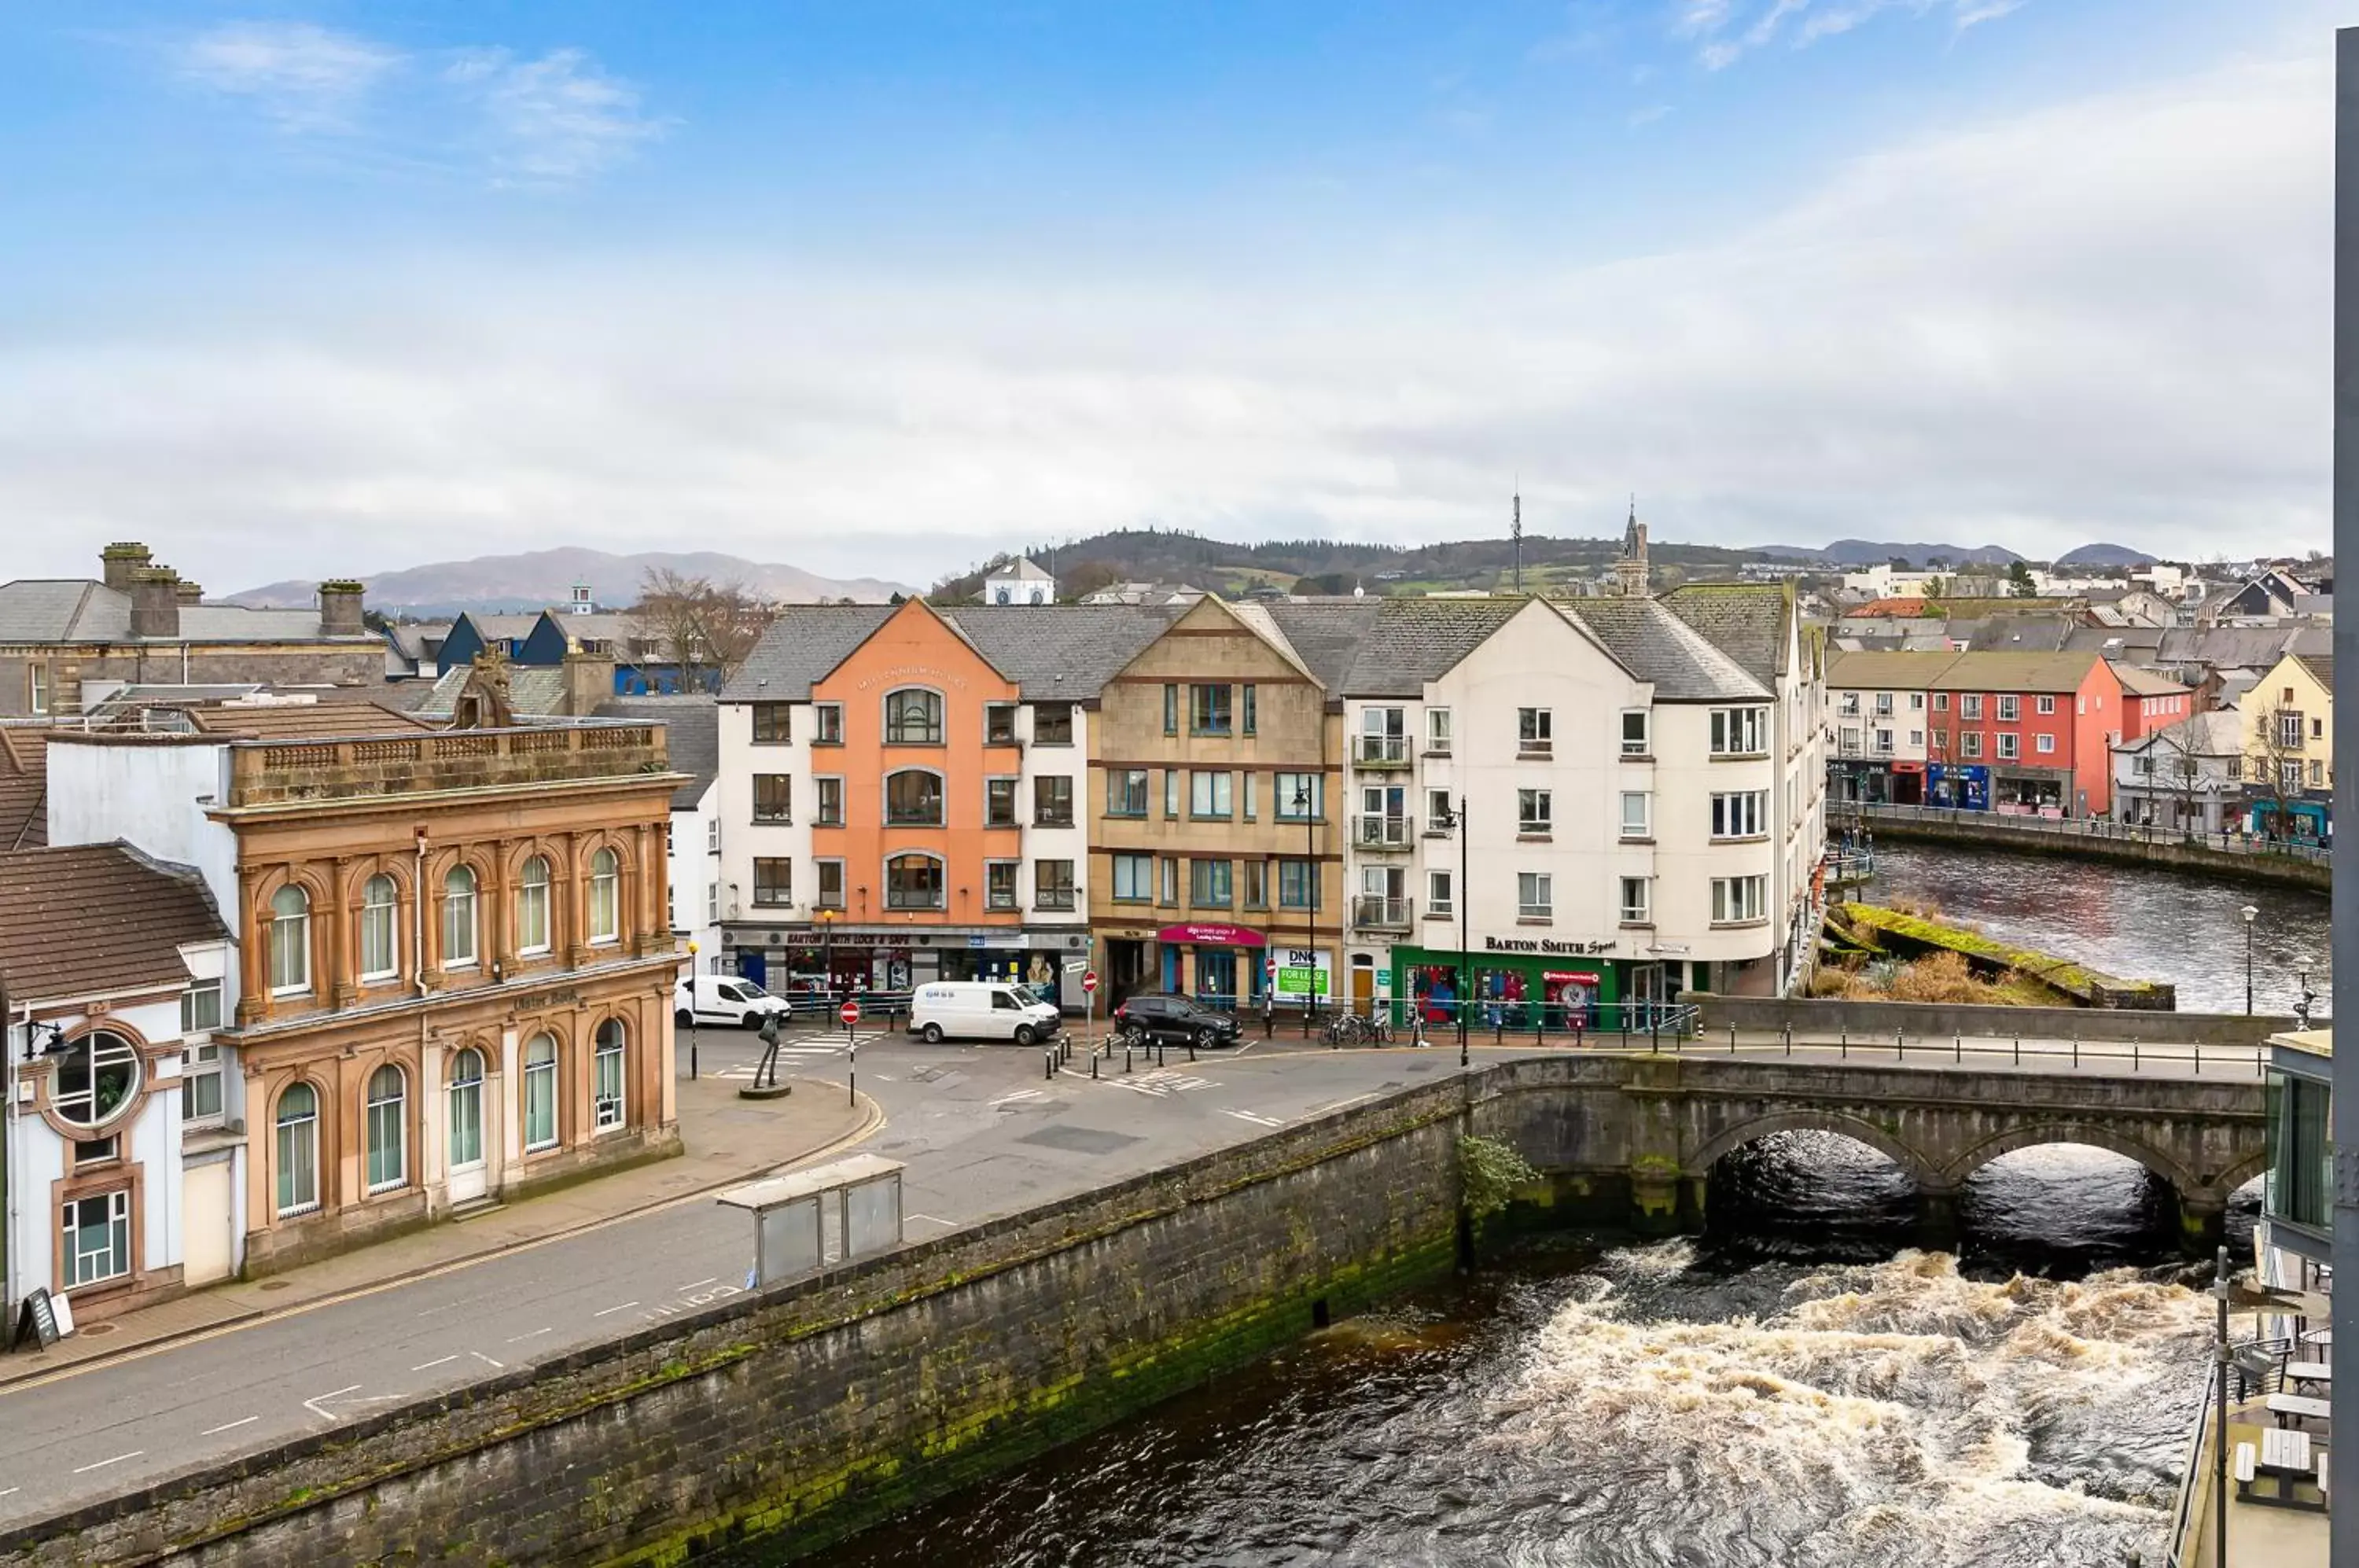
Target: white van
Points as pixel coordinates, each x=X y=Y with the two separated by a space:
x=730 y=999
x=981 y=1009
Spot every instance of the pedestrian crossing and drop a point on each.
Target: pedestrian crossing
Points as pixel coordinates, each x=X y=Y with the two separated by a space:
x=801 y=1053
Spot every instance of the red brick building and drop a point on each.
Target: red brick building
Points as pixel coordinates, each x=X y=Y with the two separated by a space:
x=2028 y=732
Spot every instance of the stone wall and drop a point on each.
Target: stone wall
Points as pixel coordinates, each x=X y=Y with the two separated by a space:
x=809 y=1412
x=2094 y=841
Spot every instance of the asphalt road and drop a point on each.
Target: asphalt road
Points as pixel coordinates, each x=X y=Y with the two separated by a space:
x=982 y=1130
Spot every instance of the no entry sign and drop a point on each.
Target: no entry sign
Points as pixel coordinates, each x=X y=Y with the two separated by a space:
x=1090 y=980
x=849 y=1013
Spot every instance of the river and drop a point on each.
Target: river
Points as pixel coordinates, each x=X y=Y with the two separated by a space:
x=1796 y=1388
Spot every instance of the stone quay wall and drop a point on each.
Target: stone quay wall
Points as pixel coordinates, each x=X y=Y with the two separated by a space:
x=798 y=1415
x=1823 y=1018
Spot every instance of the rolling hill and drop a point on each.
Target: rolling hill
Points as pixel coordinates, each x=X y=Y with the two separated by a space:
x=540 y=577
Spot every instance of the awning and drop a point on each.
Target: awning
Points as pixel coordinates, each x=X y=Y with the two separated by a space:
x=1212 y=934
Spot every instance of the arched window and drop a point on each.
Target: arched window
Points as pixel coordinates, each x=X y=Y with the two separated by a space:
x=607 y=1085
x=466 y=1129
x=291 y=941
x=97 y=1079
x=380 y=947
x=913 y=882
x=388 y=1129
x=605 y=896
x=913 y=799
x=540 y=1093
x=913 y=716
x=459 y=918
x=299 y=1150
x=532 y=907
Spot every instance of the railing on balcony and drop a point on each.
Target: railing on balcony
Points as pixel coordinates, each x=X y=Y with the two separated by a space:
x=1380 y=751
x=1374 y=911
x=266 y=772
x=1377 y=831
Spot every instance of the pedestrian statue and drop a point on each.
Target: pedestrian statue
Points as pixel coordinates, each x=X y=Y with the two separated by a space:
x=768 y=1077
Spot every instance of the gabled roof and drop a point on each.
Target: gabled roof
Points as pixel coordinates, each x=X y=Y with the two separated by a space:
x=692 y=723
x=1658 y=647
x=1908 y=609
x=1024 y=569
x=535 y=691
x=1048 y=650
x=97 y=920
x=84 y=610
x=2051 y=672
x=2138 y=681
x=1751 y=622
x=1884 y=670
x=1390 y=647
x=2218 y=733
x=2321 y=665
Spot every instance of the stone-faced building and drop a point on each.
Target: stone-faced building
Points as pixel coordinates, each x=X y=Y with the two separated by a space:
x=1216 y=775
x=453 y=964
x=110 y=973
x=66 y=643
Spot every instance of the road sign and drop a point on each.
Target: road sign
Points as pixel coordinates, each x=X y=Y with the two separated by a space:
x=1090 y=980
x=1270 y=966
x=849 y=1013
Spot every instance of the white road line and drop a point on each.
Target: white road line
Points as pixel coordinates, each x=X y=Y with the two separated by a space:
x=497 y=1365
x=626 y=1307
x=699 y=1283
x=1337 y=1105
x=1252 y=1117
x=105 y=1463
x=217 y=1431
x=1019 y=1096
x=11 y=1492
x=313 y=1404
x=443 y=1308
x=429 y=1365
x=937 y=1219
x=536 y=1333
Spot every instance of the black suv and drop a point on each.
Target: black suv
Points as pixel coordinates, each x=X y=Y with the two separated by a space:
x=1177 y=1019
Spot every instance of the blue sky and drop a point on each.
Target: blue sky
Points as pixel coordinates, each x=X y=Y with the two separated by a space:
x=880 y=287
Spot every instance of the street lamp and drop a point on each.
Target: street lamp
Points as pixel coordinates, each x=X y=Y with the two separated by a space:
x=691 y=1013
x=1303 y=806
x=826 y=960
x=2248 y=912
x=1465 y=964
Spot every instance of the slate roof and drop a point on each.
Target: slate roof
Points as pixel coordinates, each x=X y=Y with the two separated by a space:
x=2017 y=634
x=1749 y=621
x=83 y=610
x=2141 y=682
x=1048 y=650
x=2220 y=733
x=1658 y=646
x=535 y=691
x=2053 y=672
x=692 y=724
x=96 y=919
x=2320 y=665
x=1390 y=647
x=24 y=788
x=1886 y=671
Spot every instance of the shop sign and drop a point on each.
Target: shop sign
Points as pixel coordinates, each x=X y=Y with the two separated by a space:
x=1211 y=934
x=1303 y=972
x=1546 y=945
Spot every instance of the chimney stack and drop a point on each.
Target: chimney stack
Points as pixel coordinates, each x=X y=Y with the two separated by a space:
x=188 y=592
x=589 y=681
x=155 y=601
x=118 y=562
x=340 y=608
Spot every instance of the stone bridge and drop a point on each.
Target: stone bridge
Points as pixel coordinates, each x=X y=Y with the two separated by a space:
x=1663 y=1122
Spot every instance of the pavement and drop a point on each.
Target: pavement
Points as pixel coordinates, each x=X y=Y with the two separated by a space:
x=982 y=1131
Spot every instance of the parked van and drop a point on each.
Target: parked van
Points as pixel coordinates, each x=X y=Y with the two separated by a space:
x=729 y=1000
x=981 y=1009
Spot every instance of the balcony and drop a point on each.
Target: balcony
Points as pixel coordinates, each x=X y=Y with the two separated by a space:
x=1373 y=832
x=371 y=768
x=1374 y=911
x=1380 y=751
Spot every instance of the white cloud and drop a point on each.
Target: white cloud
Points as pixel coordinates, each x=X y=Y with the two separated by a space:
x=304 y=77
x=555 y=119
x=2019 y=332
x=1723 y=37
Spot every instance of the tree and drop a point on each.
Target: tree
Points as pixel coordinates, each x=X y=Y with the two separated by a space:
x=2176 y=768
x=698 y=624
x=1087 y=578
x=2019 y=582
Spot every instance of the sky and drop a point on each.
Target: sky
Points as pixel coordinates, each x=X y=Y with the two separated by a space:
x=874 y=288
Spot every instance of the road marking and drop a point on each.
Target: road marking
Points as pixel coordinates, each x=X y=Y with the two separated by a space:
x=1254 y=1116
x=429 y=1365
x=105 y=1463
x=536 y=1333
x=627 y=1306
x=217 y=1431
x=1020 y=1095
x=313 y=1404
x=443 y=1308
x=937 y=1219
x=11 y=1492
x=497 y=1365
x=1160 y=1081
x=699 y=1284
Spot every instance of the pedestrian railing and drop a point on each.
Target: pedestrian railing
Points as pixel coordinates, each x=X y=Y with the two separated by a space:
x=2088 y=827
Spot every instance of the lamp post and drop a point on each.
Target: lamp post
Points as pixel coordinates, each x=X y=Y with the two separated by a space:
x=1303 y=805
x=2248 y=912
x=1465 y=963
x=826 y=960
x=691 y=1012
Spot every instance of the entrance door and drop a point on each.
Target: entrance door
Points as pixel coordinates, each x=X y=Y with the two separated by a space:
x=466 y=1132
x=754 y=966
x=204 y=1200
x=1363 y=985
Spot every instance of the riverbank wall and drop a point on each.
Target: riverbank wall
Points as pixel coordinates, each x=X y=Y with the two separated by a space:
x=799 y=1415
x=2099 y=842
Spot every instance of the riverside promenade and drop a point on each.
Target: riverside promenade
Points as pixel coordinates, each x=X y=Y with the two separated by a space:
x=2234 y=855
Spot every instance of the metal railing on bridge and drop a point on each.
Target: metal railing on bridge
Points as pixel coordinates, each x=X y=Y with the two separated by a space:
x=2086 y=827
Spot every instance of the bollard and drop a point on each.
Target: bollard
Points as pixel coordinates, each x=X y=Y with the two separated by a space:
x=1192 y=1048
x=1957 y=1048
x=2199 y=1058
x=1158 y=1053
x=2018 y=1051
x=1790 y=1040
x=1093 y=1066
x=1899 y=1043
x=1126 y=1059
x=1048 y=1066
x=851 y=1076
x=1499 y=1027
x=1732 y=1040
x=2076 y=1053
x=1846 y=1045
x=2133 y=1053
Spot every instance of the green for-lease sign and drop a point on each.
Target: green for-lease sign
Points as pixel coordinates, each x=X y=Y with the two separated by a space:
x=1304 y=973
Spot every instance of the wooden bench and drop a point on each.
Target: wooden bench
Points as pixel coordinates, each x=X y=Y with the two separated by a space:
x=2290 y=1407
x=2283 y=1457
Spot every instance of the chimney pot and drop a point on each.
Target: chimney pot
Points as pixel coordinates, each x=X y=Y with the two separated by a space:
x=117 y=561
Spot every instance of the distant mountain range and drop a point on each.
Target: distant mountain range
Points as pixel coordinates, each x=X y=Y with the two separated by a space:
x=1871 y=552
x=2104 y=555
x=542 y=577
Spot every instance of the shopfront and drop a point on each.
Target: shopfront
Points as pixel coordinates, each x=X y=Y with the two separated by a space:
x=1959 y=786
x=1518 y=990
x=1216 y=962
x=879 y=962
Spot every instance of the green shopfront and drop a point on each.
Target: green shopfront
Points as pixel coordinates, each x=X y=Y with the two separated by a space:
x=1526 y=983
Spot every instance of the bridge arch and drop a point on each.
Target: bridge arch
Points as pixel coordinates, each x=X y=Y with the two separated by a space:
x=1860 y=1131
x=2034 y=1135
